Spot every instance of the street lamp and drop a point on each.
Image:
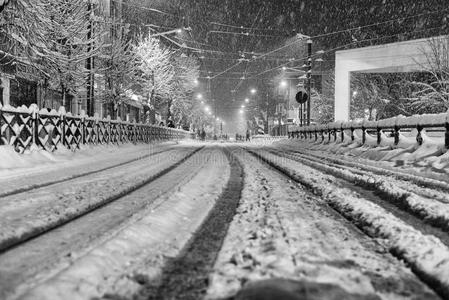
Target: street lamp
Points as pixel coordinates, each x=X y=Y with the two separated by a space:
x=246 y=100
x=199 y=96
x=283 y=84
x=253 y=91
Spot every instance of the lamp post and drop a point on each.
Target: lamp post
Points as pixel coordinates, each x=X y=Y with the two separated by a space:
x=309 y=78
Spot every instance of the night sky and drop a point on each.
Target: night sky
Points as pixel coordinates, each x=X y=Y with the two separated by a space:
x=234 y=33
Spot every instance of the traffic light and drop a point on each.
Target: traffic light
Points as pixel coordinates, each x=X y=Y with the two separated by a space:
x=301 y=97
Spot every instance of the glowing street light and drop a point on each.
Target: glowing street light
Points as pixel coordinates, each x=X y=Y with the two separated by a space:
x=246 y=100
x=243 y=106
x=207 y=109
x=196 y=82
x=218 y=119
x=199 y=96
x=283 y=84
x=253 y=91
x=241 y=111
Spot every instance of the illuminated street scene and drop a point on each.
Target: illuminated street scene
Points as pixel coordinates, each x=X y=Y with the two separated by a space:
x=224 y=149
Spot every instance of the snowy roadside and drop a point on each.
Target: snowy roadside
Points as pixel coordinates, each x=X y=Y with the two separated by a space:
x=434 y=212
x=427 y=255
x=26 y=171
x=25 y=215
x=138 y=252
x=430 y=163
x=435 y=181
x=281 y=231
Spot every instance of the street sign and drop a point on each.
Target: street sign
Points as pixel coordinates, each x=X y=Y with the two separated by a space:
x=301 y=97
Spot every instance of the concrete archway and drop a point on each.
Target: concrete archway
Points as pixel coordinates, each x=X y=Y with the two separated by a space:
x=398 y=57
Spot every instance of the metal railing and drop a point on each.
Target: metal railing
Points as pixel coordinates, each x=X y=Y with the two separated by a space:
x=24 y=127
x=383 y=132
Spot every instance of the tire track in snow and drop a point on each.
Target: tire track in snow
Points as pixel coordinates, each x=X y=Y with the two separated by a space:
x=186 y=276
x=427 y=255
x=33 y=261
x=282 y=231
x=431 y=211
x=13 y=240
x=44 y=182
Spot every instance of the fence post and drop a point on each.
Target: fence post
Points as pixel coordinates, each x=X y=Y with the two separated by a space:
x=62 y=122
x=379 y=135
x=97 y=130
x=83 y=130
x=342 y=132
x=34 y=126
x=396 y=134
x=419 y=138
x=446 y=134
x=363 y=135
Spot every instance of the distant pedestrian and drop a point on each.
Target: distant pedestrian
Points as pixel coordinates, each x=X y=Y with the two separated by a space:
x=203 y=135
x=247 y=135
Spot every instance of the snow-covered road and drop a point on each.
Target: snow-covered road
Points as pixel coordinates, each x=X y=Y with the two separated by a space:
x=282 y=230
x=187 y=221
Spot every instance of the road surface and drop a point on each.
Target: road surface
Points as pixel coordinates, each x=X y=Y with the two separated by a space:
x=222 y=221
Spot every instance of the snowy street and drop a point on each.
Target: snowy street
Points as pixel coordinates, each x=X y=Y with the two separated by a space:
x=193 y=220
x=224 y=150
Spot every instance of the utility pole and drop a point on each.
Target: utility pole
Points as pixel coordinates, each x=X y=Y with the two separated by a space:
x=90 y=65
x=267 y=130
x=309 y=78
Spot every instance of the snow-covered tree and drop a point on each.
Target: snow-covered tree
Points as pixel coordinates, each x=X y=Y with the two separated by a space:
x=155 y=65
x=23 y=27
x=432 y=94
x=118 y=65
x=187 y=72
x=75 y=35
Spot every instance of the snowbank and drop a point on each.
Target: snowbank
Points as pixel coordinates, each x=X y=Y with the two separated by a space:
x=428 y=256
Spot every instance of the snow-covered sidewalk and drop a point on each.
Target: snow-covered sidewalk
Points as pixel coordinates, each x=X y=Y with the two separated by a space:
x=282 y=231
x=26 y=214
x=137 y=252
x=38 y=167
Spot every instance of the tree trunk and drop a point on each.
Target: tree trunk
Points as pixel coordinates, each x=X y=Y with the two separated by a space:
x=63 y=91
x=168 y=109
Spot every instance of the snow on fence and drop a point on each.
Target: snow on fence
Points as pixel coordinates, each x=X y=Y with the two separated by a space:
x=24 y=126
x=375 y=130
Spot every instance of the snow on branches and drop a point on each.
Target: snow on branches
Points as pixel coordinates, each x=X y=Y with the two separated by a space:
x=432 y=95
x=154 y=62
x=167 y=75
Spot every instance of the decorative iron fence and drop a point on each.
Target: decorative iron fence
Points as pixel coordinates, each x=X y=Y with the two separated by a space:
x=377 y=133
x=26 y=126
